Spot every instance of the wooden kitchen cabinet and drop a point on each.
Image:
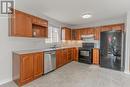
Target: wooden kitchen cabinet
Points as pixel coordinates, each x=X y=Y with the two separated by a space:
x=75 y=54
x=78 y=34
x=106 y=28
x=96 y=56
x=27 y=67
x=118 y=27
x=66 y=33
x=39 y=31
x=73 y=34
x=59 y=59
x=39 y=27
x=20 y=25
x=97 y=31
x=69 y=55
x=38 y=64
x=90 y=31
x=38 y=21
x=64 y=56
x=26 y=25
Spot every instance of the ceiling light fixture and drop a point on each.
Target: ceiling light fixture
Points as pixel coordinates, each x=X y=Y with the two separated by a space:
x=86 y=16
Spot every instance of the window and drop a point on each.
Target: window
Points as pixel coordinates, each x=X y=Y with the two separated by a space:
x=53 y=34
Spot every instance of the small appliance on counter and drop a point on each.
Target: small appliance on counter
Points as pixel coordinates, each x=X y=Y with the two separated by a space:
x=85 y=53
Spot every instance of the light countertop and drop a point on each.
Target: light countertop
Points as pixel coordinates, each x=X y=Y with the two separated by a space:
x=38 y=50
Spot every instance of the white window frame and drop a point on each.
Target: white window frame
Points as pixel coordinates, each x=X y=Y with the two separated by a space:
x=51 y=38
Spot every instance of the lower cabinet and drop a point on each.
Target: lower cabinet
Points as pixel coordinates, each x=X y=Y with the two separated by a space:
x=75 y=54
x=38 y=64
x=59 y=60
x=27 y=67
x=61 y=57
x=96 y=56
x=69 y=53
x=64 y=56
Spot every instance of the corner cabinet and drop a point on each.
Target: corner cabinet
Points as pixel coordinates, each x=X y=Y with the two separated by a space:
x=27 y=67
x=26 y=25
x=66 y=55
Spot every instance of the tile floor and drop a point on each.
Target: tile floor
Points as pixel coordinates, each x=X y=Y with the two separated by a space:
x=80 y=75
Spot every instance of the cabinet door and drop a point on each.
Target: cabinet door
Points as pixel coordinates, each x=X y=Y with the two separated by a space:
x=21 y=25
x=95 y=56
x=90 y=31
x=75 y=54
x=97 y=33
x=73 y=34
x=69 y=53
x=38 y=64
x=106 y=28
x=117 y=27
x=66 y=34
x=78 y=35
x=64 y=56
x=58 y=58
x=26 y=68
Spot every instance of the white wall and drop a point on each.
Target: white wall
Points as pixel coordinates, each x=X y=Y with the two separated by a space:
x=101 y=23
x=7 y=45
x=127 y=48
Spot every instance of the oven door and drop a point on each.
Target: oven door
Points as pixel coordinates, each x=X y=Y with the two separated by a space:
x=85 y=56
x=84 y=53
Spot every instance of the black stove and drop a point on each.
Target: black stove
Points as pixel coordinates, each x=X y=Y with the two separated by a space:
x=85 y=53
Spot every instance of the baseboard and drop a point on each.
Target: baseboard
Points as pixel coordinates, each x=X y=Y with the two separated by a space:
x=127 y=73
x=5 y=81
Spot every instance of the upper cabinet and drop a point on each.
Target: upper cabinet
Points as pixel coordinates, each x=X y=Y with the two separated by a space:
x=118 y=27
x=97 y=31
x=90 y=31
x=77 y=33
x=66 y=33
x=25 y=25
x=21 y=25
x=39 y=21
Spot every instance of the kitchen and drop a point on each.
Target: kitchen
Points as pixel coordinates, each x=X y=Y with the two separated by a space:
x=63 y=46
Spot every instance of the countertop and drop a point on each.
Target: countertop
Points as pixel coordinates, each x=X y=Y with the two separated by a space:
x=38 y=50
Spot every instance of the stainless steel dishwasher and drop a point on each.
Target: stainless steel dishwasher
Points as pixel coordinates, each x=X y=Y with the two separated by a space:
x=49 y=61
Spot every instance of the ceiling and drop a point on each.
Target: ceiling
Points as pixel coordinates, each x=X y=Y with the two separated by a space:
x=70 y=11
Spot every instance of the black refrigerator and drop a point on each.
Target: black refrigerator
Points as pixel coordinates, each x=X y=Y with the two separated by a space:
x=111 y=50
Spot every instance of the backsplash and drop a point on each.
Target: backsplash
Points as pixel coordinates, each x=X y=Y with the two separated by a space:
x=64 y=43
x=71 y=43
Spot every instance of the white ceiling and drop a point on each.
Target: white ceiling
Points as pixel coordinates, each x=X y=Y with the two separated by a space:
x=70 y=11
